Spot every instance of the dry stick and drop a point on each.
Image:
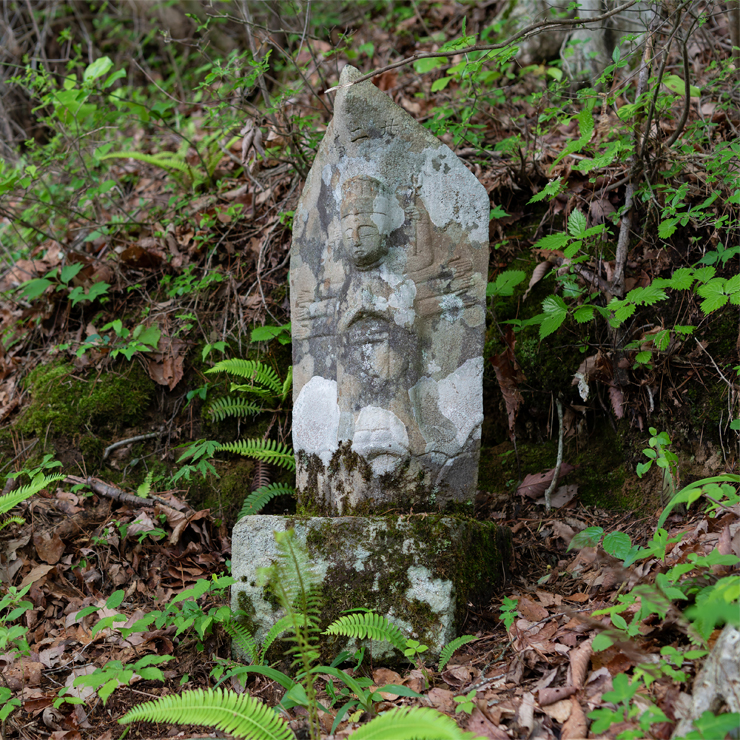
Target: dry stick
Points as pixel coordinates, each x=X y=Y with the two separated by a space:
x=532 y=29
x=130 y=440
x=104 y=489
x=558 y=464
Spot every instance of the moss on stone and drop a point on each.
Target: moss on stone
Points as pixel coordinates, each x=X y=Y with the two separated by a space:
x=68 y=404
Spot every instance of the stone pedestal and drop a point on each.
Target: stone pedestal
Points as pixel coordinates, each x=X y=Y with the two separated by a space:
x=420 y=571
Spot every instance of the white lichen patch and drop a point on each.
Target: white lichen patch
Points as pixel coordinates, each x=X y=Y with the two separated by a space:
x=316 y=418
x=458 y=400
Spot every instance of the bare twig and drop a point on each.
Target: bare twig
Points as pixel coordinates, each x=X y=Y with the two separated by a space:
x=130 y=440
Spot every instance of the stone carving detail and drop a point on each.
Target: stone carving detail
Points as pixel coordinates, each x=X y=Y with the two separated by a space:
x=388 y=275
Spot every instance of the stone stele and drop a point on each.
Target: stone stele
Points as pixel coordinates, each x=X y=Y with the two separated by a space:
x=388 y=276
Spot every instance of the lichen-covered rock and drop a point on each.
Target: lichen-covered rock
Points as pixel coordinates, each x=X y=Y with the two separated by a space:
x=388 y=276
x=419 y=571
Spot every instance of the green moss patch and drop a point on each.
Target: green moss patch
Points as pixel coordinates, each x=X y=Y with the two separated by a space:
x=67 y=404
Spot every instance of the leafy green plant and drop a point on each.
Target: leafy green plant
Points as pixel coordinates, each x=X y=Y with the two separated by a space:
x=465 y=703
x=508 y=612
x=268 y=333
x=622 y=695
x=114 y=674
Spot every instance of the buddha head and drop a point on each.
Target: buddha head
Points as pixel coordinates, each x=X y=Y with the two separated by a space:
x=365 y=212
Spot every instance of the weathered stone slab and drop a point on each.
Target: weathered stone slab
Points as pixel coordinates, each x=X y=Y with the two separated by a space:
x=419 y=571
x=388 y=276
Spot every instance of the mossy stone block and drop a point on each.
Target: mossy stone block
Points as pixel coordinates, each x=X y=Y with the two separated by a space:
x=420 y=571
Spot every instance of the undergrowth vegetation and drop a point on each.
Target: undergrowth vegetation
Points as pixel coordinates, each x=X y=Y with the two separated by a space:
x=151 y=165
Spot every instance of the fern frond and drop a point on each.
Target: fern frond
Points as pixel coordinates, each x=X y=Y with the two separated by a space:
x=238 y=714
x=368 y=625
x=164 y=160
x=7 y=521
x=287 y=384
x=269 y=450
x=449 y=649
x=412 y=723
x=280 y=627
x=296 y=583
x=259 y=498
x=230 y=406
x=246 y=642
x=253 y=370
x=9 y=500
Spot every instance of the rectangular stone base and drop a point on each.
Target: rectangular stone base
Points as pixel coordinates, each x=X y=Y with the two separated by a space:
x=420 y=571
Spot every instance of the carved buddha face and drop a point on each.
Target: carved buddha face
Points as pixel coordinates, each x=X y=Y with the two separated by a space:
x=364 y=221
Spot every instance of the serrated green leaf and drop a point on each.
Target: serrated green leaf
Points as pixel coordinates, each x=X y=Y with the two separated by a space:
x=667 y=228
x=583 y=314
x=682 y=279
x=617 y=544
x=552 y=241
x=577 y=224
x=662 y=338
x=555 y=312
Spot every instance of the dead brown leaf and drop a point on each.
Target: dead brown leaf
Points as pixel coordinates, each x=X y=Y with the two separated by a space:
x=481 y=726
x=579 y=661
x=49 y=546
x=442 y=700
x=576 y=727
x=535 y=484
x=509 y=376
x=531 y=610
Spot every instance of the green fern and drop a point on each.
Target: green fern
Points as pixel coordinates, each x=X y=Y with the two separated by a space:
x=241 y=636
x=277 y=629
x=412 y=723
x=12 y=499
x=268 y=450
x=252 y=370
x=7 y=521
x=449 y=649
x=231 y=406
x=297 y=585
x=259 y=498
x=368 y=625
x=237 y=714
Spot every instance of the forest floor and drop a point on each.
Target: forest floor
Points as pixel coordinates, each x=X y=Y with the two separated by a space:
x=116 y=403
